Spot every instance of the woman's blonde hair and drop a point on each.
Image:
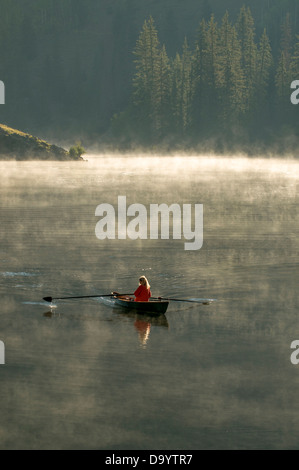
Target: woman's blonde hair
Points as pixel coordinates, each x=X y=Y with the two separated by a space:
x=144 y=282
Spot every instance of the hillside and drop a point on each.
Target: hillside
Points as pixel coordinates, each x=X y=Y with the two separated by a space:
x=18 y=145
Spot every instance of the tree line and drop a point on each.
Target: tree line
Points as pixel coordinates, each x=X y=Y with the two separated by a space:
x=68 y=68
x=228 y=89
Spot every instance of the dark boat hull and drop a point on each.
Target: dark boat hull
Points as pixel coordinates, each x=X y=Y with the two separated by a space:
x=151 y=307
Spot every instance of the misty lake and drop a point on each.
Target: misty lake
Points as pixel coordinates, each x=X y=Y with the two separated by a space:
x=84 y=375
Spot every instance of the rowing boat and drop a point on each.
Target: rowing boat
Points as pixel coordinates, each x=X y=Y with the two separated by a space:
x=153 y=307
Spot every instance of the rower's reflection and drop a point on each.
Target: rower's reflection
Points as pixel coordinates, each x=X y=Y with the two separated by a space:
x=143 y=323
x=143 y=328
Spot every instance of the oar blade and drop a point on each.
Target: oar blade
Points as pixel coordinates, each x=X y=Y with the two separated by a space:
x=48 y=299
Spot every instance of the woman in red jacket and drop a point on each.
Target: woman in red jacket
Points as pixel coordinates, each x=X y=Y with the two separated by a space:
x=143 y=293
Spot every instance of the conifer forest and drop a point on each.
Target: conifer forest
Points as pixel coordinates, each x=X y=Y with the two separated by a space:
x=200 y=74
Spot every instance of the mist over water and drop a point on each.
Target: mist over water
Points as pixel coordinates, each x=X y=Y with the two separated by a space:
x=82 y=374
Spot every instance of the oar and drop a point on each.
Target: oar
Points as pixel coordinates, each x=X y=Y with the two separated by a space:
x=203 y=301
x=49 y=299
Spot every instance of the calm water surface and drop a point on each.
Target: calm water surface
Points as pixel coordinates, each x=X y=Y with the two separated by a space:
x=84 y=375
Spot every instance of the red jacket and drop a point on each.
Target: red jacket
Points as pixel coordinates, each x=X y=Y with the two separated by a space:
x=142 y=294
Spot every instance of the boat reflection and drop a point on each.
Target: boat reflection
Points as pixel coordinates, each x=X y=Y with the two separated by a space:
x=142 y=323
x=51 y=314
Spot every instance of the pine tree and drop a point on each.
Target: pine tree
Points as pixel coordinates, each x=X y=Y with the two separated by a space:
x=231 y=77
x=163 y=92
x=198 y=74
x=286 y=42
x=294 y=62
x=205 y=75
x=246 y=33
x=176 y=93
x=182 y=89
x=262 y=102
x=146 y=82
x=284 y=72
x=294 y=75
x=210 y=55
x=187 y=86
x=282 y=79
x=264 y=62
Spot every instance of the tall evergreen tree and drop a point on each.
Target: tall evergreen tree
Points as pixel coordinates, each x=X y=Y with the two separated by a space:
x=283 y=73
x=211 y=62
x=146 y=82
x=294 y=62
x=182 y=89
x=246 y=31
x=231 y=76
x=176 y=93
x=262 y=100
x=283 y=77
x=187 y=86
x=163 y=92
x=207 y=71
x=198 y=75
x=286 y=42
x=264 y=62
x=294 y=75
x=282 y=82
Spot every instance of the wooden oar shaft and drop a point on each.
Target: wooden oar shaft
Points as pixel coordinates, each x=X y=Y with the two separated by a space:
x=181 y=300
x=49 y=299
